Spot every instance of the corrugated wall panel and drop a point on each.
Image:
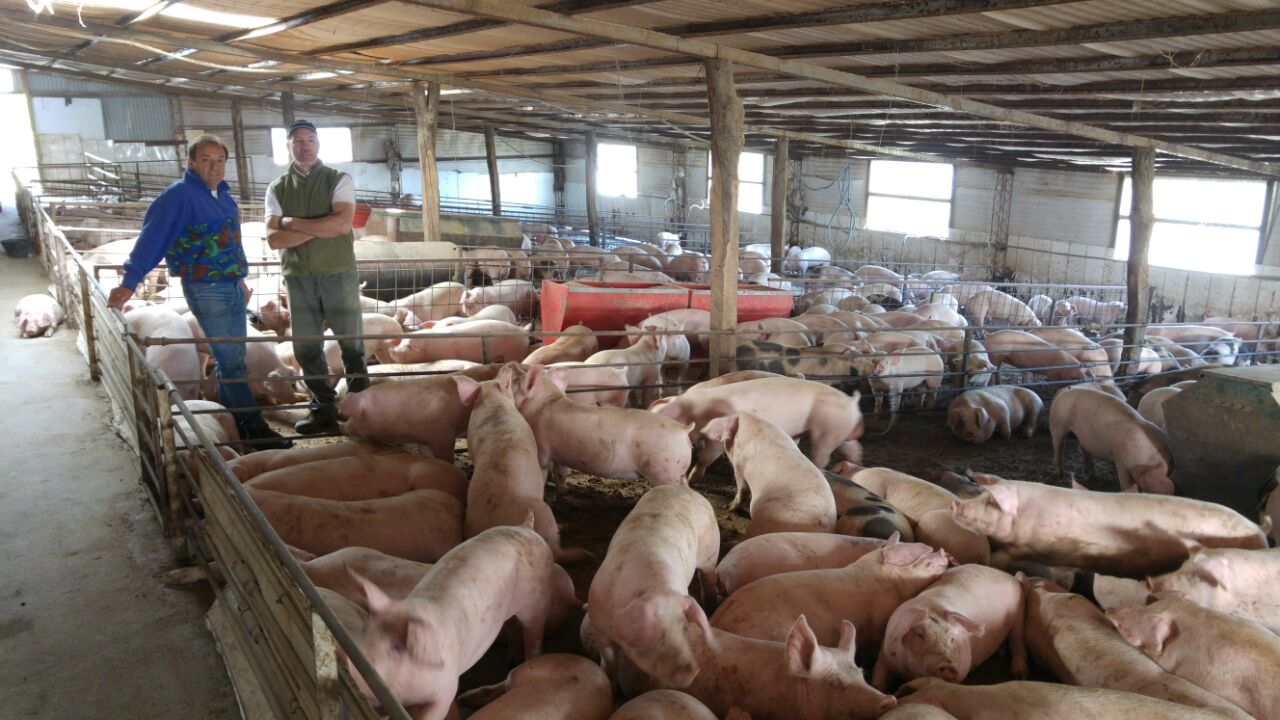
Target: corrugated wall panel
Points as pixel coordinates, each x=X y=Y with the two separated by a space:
x=1066 y=206
x=51 y=84
x=974 y=195
x=141 y=117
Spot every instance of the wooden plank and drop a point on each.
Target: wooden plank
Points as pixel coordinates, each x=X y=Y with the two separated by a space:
x=425 y=105
x=726 y=145
x=1142 y=219
x=242 y=155
x=709 y=50
x=491 y=160
x=778 y=204
x=593 y=220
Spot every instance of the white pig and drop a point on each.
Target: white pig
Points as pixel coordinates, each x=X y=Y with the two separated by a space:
x=37 y=315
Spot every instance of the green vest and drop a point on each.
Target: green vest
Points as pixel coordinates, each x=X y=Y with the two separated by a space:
x=310 y=196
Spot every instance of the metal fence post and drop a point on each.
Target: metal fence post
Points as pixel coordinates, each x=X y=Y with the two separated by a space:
x=964 y=358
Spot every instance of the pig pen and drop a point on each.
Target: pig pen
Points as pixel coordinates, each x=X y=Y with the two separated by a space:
x=291 y=639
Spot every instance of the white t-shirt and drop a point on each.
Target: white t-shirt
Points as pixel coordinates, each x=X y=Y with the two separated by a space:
x=343 y=192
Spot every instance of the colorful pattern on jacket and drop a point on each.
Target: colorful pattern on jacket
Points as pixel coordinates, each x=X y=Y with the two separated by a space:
x=197 y=235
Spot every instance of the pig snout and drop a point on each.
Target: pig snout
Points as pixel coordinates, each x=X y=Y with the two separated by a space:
x=947 y=671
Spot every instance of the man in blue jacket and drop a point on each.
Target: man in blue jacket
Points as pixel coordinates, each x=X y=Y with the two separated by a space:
x=194 y=226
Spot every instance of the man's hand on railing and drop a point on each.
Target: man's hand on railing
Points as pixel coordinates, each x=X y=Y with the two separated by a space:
x=118 y=297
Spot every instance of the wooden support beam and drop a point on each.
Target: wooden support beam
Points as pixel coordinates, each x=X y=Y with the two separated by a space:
x=1141 y=220
x=306 y=17
x=242 y=156
x=726 y=145
x=426 y=101
x=287 y=109
x=179 y=131
x=593 y=220
x=709 y=50
x=31 y=118
x=778 y=204
x=848 y=15
x=557 y=178
x=491 y=160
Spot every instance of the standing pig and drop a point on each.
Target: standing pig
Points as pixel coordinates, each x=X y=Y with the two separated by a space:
x=425 y=410
x=1071 y=638
x=37 y=315
x=595 y=385
x=897 y=372
x=576 y=345
x=1123 y=534
x=953 y=626
x=1237 y=582
x=1233 y=658
x=865 y=593
x=379 y=324
x=1028 y=352
x=506 y=484
x=516 y=295
x=1093 y=312
x=181 y=362
x=638 y=604
x=694 y=322
x=422 y=644
x=786 y=491
x=1151 y=406
x=784 y=552
x=1111 y=430
x=643 y=362
x=977 y=414
x=396 y=576
x=1001 y=308
x=831 y=420
x=603 y=441
x=862 y=513
x=800 y=260
x=550 y=687
x=485 y=265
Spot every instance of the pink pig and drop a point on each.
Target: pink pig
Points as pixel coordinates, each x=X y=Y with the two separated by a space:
x=549 y=687
x=425 y=410
x=365 y=477
x=642 y=361
x=953 y=626
x=782 y=552
x=866 y=593
x=482 y=341
x=1042 y=701
x=830 y=419
x=1239 y=582
x=422 y=644
x=608 y=442
x=786 y=491
x=638 y=604
x=37 y=315
x=1111 y=430
x=663 y=705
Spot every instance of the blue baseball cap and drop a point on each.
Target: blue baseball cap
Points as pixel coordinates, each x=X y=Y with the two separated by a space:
x=301 y=125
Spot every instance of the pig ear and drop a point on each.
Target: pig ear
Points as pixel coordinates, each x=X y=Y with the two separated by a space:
x=983 y=478
x=468 y=389
x=1005 y=497
x=505 y=377
x=560 y=378
x=694 y=614
x=377 y=601
x=804 y=655
x=902 y=553
x=723 y=429
x=422 y=641
x=894 y=539
x=531 y=378
x=965 y=622
x=982 y=417
x=848 y=638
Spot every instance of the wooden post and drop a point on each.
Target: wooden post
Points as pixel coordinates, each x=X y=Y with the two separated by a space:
x=1141 y=220
x=491 y=157
x=242 y=156
x=287 y=109
x=778 y=203
x=424 y=108
x=86 y=307
x=593 y=222
x=179 y=131
x=35 y=134
x=557 y=179
x=726 y=144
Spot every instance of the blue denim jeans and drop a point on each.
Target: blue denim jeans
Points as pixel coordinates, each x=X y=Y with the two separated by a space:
x=219 y=307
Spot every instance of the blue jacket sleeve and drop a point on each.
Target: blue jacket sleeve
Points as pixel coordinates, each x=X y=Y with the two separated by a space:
x=160 y=228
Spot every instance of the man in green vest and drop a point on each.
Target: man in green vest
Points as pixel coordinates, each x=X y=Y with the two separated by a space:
x=309 y=211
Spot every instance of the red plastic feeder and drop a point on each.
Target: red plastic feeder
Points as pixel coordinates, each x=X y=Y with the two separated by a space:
x=612 y=306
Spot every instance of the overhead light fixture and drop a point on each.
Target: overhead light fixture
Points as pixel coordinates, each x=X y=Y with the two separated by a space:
x=262 y=64
x=455 y=91
x=183 y=11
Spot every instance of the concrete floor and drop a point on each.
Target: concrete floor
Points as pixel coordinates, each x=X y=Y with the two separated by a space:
x=86 y=627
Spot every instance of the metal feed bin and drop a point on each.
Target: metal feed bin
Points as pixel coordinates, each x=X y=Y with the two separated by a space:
x=1225 y=436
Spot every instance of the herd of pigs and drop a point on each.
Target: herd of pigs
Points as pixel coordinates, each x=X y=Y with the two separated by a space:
x=1119 y=605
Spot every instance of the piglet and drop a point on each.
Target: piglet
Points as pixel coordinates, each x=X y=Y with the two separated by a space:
x=784 y=552
x=421 y=645
x=1123 y=534
x=1042 y=701
x=550 y=687
x=1072 y=639
x=577 y=344
x=638 y=604
x=865 y=592
x=786 y=491
x=37 y=315
x=607 y=442
x=663 y=705
x=1238 y=582
x=1233 y=658
x=953 y=626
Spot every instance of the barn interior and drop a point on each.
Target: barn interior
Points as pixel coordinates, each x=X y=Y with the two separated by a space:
x=914 y=202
